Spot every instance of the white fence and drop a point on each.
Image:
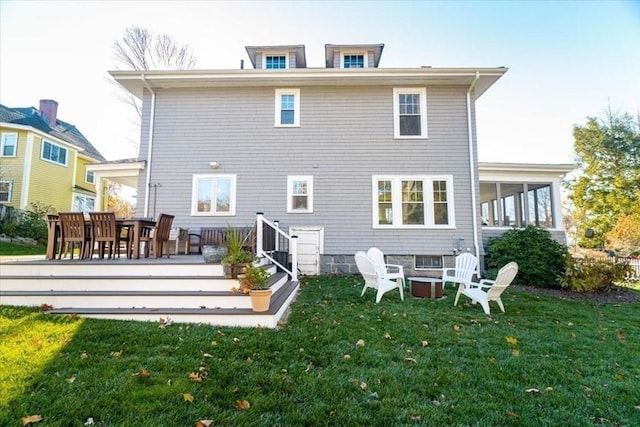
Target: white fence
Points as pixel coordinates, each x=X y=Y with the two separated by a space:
x=633 y=262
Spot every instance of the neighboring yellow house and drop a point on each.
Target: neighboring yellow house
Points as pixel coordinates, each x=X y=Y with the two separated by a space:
x=45 y=160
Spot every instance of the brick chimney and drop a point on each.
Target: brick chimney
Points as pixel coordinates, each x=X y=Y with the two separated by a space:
x=49 y=111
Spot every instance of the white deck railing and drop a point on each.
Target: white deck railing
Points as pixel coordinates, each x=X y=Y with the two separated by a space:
x=269 y=253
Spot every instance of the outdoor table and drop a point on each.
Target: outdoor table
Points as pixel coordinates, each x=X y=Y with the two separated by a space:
x=433 y=292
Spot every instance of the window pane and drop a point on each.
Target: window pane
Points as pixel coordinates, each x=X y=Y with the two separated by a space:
x=300 y=202
x=410 y=125
x=300 y=187
x=286 y=117
x=223 y=195
x=385 y=207
x=287 y=102
x=205 y=189
x=428 y=261
x=46 y=151
x=412 y=202
x=353 y=61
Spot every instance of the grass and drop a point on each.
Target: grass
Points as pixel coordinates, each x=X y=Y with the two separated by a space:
x=8 y=248
x=340 y=360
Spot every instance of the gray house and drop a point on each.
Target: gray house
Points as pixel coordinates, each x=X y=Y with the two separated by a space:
x=347 y=156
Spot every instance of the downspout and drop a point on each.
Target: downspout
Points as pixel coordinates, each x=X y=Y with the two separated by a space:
x=472 y=171
x=150 y=148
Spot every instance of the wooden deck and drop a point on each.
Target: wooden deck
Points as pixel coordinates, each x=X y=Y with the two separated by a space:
x=182 y=288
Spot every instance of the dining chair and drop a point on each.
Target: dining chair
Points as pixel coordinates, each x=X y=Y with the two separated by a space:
x=157 y=238
x=73 y=231
x=105 y=233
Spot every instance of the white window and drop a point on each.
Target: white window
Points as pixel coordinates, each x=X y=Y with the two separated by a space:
x=413 y=202
x=275 y=61
x=299 y=194
x=213 y=195
x=287 y=108
x=8 y=145
x=90 y=178
x=5 y=191
x=354 y=60
x=54 y=153
x=410 y=113
x=84 y=204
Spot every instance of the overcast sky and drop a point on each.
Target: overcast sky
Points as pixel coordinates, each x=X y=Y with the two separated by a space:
x=567 y=60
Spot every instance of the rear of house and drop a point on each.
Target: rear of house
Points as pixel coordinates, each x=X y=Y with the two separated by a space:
x=346 y=157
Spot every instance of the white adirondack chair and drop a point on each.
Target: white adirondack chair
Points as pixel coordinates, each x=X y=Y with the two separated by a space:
x=373 y=279
x=388 y=271
x=490 y=290
x=466 y=266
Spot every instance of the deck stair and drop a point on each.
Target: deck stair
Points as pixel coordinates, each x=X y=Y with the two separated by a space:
x=182 y=288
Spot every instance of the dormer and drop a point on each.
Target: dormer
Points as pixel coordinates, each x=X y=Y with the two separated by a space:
x=352 y=55
x=277 y=57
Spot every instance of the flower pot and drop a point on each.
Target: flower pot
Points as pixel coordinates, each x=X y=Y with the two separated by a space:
x=260 y=299
x=213 y=254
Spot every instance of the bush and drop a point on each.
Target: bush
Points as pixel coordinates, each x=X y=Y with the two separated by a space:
x=540 y=258
x=588 y=274
x=29 y=223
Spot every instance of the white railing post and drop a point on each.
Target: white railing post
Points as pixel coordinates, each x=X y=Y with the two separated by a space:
x=277 y=242
x=293 y=248
x=259 y=249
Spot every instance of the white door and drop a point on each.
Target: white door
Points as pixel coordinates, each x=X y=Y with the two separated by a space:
x=310 y=242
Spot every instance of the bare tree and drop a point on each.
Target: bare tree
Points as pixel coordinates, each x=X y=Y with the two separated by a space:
x=140 y=49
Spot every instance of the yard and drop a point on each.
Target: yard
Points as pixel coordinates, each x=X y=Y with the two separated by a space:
x=339 y=360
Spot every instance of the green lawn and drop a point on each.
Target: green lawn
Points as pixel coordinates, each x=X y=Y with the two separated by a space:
x=7 y=248
x=340 y=360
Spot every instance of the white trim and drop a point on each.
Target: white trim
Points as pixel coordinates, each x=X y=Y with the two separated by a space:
x=3 y=143
x=396 y=201
x=422 y=91
x=214 y=178
x=365 y=58
x=278 y=107
x=290 y=181
x=26 y=171
x=86 y=176
x=275 y=53
x=43 y=135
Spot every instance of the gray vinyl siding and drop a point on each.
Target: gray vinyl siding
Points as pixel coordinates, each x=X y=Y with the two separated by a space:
x=345 y=137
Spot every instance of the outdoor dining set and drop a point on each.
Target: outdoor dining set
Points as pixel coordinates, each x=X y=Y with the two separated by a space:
x=102 y=234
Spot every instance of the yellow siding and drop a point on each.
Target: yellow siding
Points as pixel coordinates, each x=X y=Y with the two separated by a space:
x=11 y=167
x=81 y=175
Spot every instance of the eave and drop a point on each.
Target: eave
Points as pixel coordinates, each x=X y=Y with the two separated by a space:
x=136 y=81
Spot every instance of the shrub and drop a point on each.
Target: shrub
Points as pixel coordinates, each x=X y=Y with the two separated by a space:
x=29 y=223
x=589 y=274
x=540 y=258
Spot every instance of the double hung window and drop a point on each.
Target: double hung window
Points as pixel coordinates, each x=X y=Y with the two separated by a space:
x=287 y=109
x=299 y=194
x=214 y=195
x=5 y=191
x=410 y=113
x=8 y=144
x=413 y=202
x=90 y=177
x=54 y=153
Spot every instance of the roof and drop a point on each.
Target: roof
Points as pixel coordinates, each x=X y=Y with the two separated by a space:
x=64 y=131
x=137 y=81
x=298 y=49
x=330 y=49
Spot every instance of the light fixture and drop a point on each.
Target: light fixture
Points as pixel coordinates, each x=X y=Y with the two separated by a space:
x=214 y=165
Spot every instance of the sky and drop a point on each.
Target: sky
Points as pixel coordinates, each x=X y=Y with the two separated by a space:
x=567 y=60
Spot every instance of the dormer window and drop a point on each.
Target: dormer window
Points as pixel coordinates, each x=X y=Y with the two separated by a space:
x=350 y=60
x=273 y=62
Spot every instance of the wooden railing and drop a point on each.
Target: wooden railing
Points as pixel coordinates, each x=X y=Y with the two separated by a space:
x=277 y=246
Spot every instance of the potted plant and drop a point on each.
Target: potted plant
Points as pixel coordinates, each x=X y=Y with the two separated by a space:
x=236 y=259
x=254 y=282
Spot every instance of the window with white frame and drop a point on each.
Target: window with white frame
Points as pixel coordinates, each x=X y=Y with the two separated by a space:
x=428 y=262
x=299 y=194
x=90 y=177
x=213 y=195
x=54 y=153
x=9 y=144
x=5 y=191
x=410 y=112
x=413 y=202
x=83 y=203
x=274 y=62
x=287 y=108
x=353 y=60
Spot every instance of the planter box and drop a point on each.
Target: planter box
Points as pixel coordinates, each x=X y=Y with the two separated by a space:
x=431 y=289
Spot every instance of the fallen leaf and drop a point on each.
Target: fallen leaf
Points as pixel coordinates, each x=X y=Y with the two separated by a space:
x=31 y=419
x=194 y=376
x=363 y=386
x=637 y=407
x=548 y=389
x=620 y=336
x=46 y=307
x=71 y=379
x=618 y=377
x=354 y=381
x=89 y=422
x=456 y=328
x=116 y=353
x=84 y=355
x=415 y=418
x=410 y=359
x=187 y=397
x=204 y=423
x=515 y=352
x=141 y=373
x=425 y=343
x=165 y=322
x=532 y=390
x=346 y=357
x=207 y=355
x=236 y=340
x=360 y=343
x=512 y=414
x=242 y=405
x=512 y=340
x=435 y=403
x=387 y=335
x=214 y=343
